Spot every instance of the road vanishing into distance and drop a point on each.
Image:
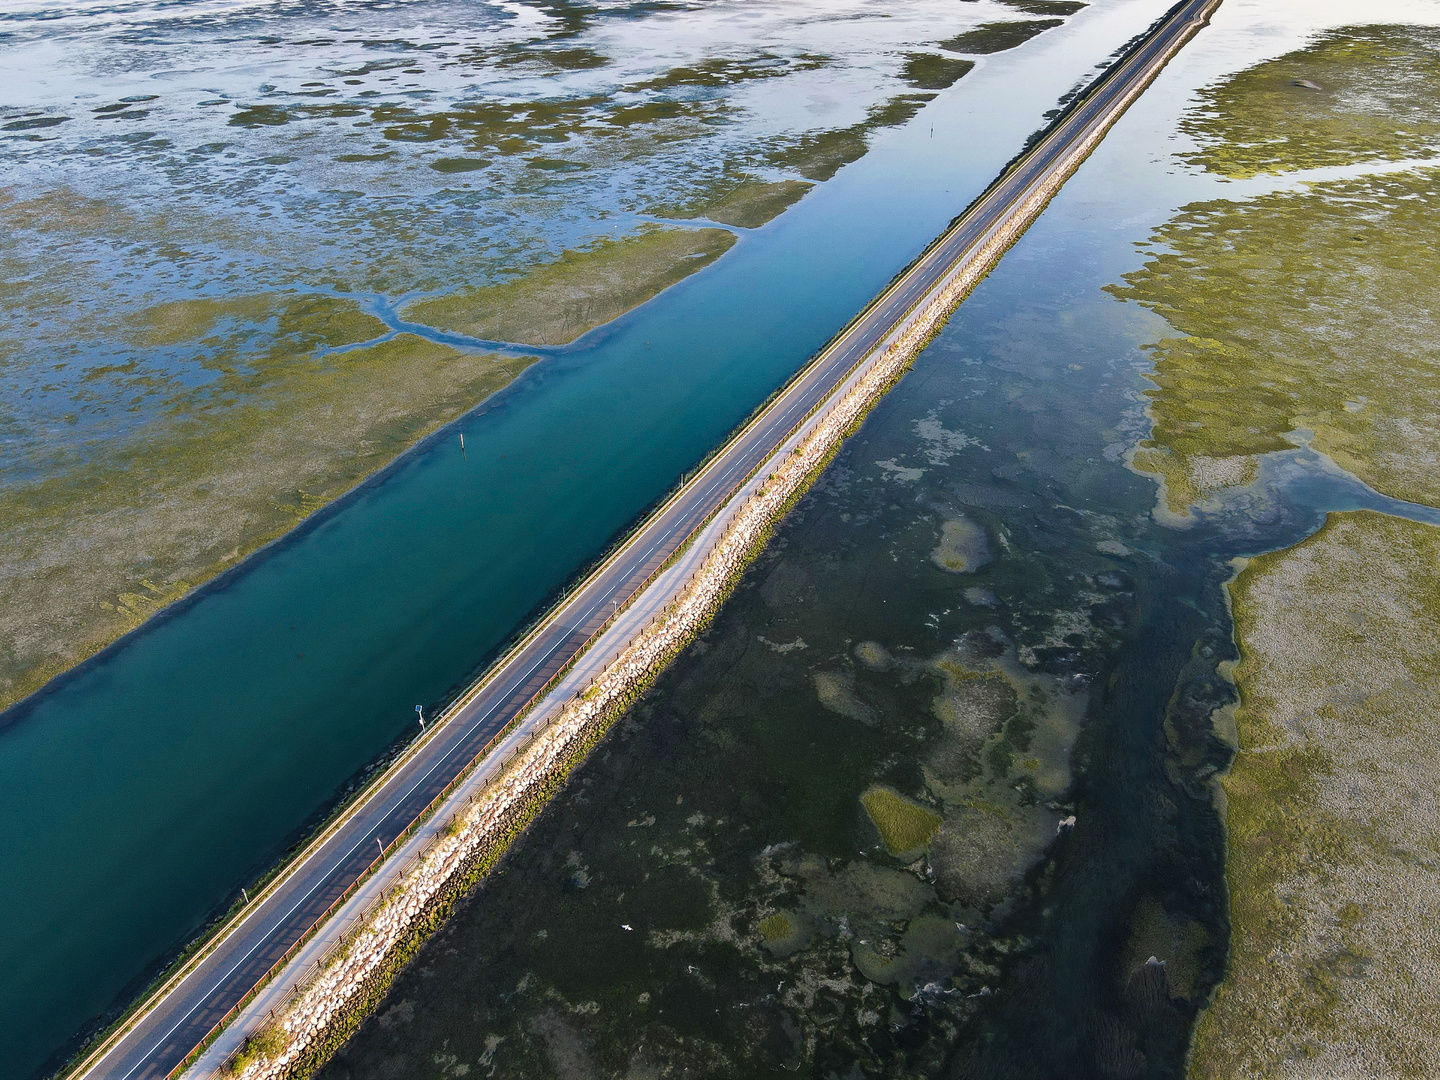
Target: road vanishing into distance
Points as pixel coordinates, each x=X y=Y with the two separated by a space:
x=169 y=1028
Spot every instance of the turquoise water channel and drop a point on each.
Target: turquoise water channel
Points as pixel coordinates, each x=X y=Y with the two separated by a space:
x=142 y=790
x=975 y=613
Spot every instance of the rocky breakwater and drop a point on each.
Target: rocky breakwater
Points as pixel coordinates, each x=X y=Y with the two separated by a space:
x=320 y=1017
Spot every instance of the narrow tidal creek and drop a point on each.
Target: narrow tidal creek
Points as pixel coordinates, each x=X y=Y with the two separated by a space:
x=142 y=790
x=933 y=795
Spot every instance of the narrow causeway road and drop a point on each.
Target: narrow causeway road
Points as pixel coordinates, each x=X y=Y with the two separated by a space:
x=184 y=1012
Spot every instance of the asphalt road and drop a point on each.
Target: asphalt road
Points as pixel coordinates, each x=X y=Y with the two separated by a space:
x=167 y=1033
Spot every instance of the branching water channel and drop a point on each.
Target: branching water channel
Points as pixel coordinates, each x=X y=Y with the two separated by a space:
x=143 y=789
x=933 y=796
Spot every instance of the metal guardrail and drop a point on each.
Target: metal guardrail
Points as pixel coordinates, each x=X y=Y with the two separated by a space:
x=422 y=816
x=580 y=582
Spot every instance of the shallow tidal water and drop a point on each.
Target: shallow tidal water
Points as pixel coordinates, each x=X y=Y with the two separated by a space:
x=716 y=892
x=142 y=790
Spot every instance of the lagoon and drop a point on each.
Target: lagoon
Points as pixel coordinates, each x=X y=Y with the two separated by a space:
x=141 y=790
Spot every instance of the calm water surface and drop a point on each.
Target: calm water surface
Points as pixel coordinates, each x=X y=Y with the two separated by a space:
x=974 y=610
x=140 y=792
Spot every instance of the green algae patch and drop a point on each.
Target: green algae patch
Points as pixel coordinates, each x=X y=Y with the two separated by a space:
x=929 y=71
x=1357 y=94
x=1331 y=812
x=99 y=546
x=555 y=303
x=905 y=827
x=298 y=324
x=776 y=927
x=1297 y=312
x=997 y=37
x=746 y=205
x=964 y=547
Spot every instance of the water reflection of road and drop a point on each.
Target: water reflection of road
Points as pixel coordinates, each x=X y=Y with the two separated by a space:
x=186 y=1013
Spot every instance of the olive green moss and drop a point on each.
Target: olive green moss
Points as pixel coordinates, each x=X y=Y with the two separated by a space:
x=266 y=1042
x=1357 y=94
x=555 y=303
x=1331 y=812
x=776 y=927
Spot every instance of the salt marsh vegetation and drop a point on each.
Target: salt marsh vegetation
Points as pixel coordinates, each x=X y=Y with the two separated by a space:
x=97 y=547
x=998 y=37
x=555 y=303
x=746 y=203
x=1302 y=316
x=201 y=281
x=1305 y=313
x=1357 y=93
x=1334 y=881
